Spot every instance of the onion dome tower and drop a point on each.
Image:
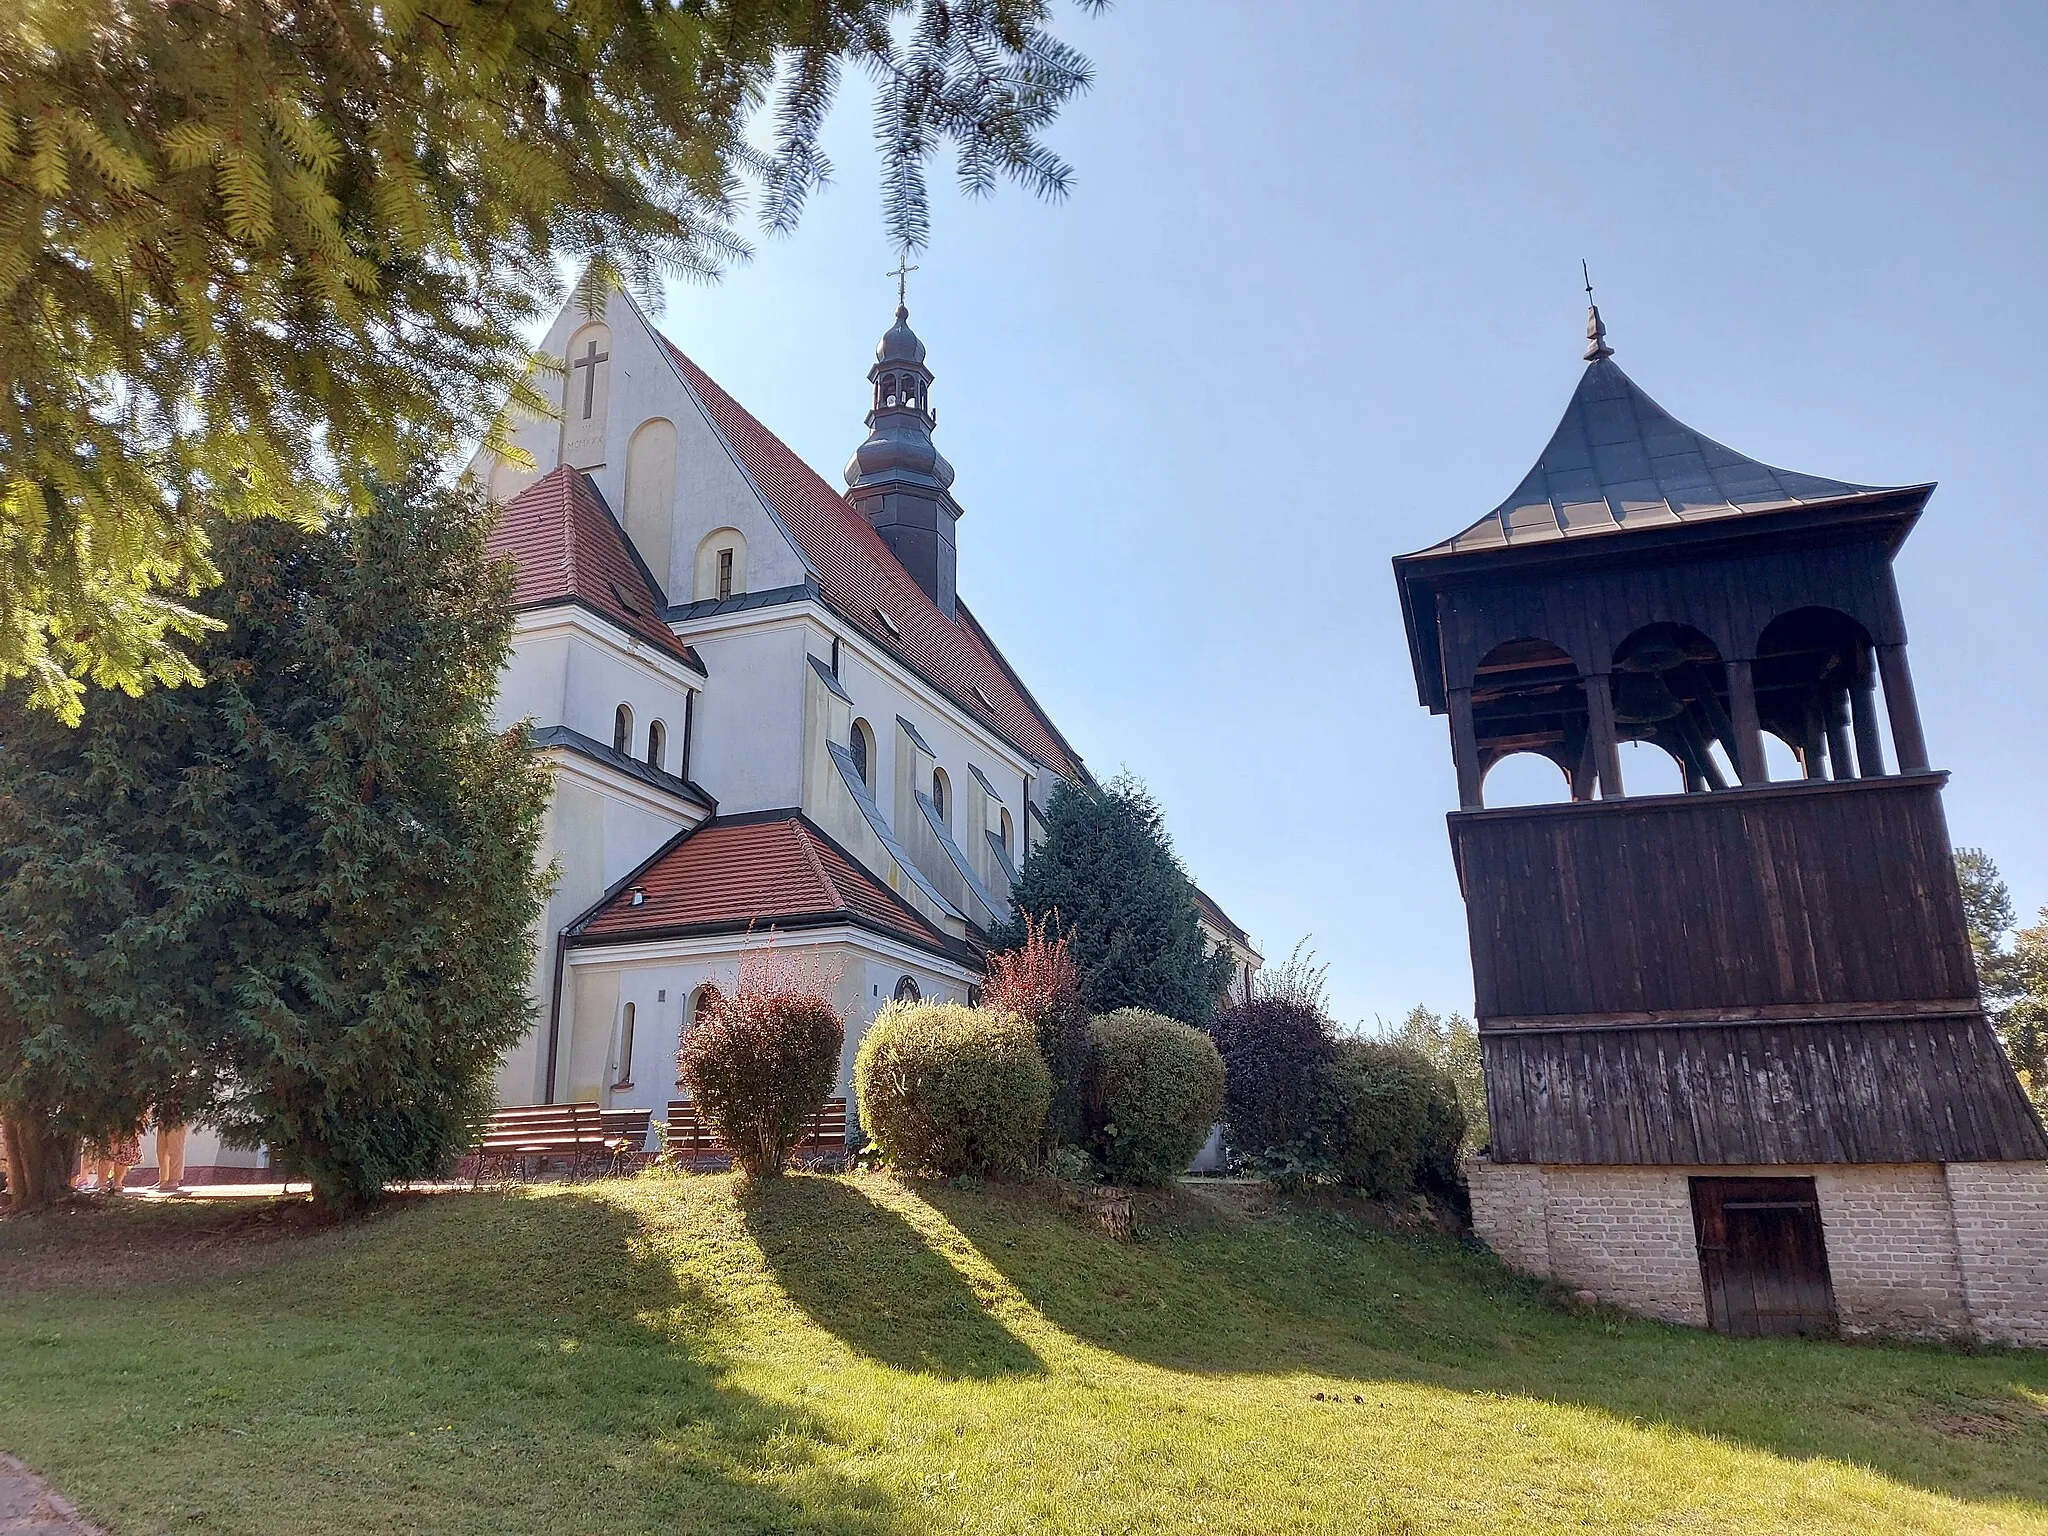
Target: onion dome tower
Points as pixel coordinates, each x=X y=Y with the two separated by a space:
x=898 y=478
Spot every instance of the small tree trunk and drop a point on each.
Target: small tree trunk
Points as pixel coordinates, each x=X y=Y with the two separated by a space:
x=39 y=1162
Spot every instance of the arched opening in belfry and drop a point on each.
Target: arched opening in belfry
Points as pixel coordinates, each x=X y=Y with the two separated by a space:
x=1816 y=686
x=1528 y=697
x=1671 y=689
x=1525 y=778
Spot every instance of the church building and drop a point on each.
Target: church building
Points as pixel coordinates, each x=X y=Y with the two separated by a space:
x=1738 y=1072
x=767 y=706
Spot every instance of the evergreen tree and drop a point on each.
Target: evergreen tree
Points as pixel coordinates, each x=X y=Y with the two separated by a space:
x=301 y=897
x=253 y=254
x=1107 y=879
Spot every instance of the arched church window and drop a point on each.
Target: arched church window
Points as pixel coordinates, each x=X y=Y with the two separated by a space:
x=1004 y=832
x=721 y=565
x=939 y=792
x=860 y=742
x=705 y=1001
x=657 y=743
x=625 y=1077
x=622 y=731
x=906 y=990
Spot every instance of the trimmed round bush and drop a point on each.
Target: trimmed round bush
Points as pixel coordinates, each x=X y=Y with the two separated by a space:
x=946 y=1090
x=1156 y=1087
x=759 y=1067
x=1393 y=1123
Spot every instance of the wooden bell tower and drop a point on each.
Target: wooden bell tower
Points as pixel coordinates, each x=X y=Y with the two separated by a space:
x=1755 y=977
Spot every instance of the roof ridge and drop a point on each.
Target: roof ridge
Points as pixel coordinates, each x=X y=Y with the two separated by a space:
x=818 y=870
x=858 y=577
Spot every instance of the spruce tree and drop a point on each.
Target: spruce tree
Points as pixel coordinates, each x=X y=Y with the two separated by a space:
x=1107 y=879
x=253 y=254
x=305 y=892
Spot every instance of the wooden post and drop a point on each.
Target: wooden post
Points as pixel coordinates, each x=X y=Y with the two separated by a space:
x=1585 y=773
x=1749 y=734
x=1840 y=760
x=1812 y=741
x=1904 y=708
x=1863 y=712
x=1600 y=722
x=1465 y=749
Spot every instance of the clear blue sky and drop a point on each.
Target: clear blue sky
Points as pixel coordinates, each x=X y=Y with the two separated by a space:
x=1315 y=301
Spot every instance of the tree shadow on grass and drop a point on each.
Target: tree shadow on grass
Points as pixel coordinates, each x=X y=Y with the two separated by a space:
x=1315 y=1293
x=478 y=1364
x=864 y=1274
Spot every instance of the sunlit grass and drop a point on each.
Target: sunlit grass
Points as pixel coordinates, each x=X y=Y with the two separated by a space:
x=857 y=1355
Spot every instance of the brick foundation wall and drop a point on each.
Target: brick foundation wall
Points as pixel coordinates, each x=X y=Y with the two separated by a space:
x=1920 y=1251
x=2001 y=1226
x=1626 y=1234
x=1892 y=1250
x=1508 y=1212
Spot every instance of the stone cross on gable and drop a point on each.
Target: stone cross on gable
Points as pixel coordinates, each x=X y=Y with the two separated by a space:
x=590 y=359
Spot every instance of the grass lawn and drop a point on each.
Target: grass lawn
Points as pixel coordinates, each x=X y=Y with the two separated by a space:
x=852 y=1354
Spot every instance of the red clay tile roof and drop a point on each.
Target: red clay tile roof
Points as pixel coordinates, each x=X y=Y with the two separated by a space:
x=860 y=576
x=568 y=547
x=766 y=869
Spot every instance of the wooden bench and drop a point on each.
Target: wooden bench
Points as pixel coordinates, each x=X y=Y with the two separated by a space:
x=580 y=1138
x=691 y=1140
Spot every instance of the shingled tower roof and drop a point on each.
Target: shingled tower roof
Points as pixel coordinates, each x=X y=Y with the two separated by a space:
x=1619 y=461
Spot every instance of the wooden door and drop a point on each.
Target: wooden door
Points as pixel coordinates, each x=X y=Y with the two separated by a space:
x=1763 y=1258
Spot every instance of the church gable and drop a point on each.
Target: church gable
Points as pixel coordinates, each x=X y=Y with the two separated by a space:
x=629 y=421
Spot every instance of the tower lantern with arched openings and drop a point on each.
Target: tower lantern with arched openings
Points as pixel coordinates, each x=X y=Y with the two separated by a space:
x=1720 y=1001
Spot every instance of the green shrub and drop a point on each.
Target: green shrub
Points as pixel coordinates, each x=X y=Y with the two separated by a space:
x=947 y=1090
x=1392 y=1123
x=1156 y=1087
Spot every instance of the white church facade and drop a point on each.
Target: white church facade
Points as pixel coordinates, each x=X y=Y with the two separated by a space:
x=765 y=705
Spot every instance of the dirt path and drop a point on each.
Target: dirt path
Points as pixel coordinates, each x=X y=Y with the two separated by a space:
x=30 y=1507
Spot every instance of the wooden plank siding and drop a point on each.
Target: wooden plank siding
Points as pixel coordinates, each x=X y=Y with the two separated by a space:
x=1802 y=895
x=1822 y=1091
x=1771 y=975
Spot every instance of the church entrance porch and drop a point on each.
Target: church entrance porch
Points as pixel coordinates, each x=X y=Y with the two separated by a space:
x=1763 y=1257
x=1954 y=1251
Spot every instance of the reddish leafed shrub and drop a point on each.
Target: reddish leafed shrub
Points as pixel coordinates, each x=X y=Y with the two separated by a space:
x=1041 y=984
x=763 y=1061
x=1277 y=1052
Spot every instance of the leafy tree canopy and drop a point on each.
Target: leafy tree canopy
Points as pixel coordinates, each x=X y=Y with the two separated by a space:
x=299 y=899
x=2012 y=968
x=258 y=255
x=1107 y=878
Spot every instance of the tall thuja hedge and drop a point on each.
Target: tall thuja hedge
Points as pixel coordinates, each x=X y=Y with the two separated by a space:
x=94 y=1028
x=332 y=867
x=1107 y=877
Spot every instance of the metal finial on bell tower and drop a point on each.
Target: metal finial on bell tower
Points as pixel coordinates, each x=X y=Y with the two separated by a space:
x=1596 y=328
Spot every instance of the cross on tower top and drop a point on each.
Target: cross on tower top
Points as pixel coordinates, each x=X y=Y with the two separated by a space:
x=901 y=272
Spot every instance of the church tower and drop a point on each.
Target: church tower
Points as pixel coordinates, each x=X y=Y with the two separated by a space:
x=1737 y=1069
x=898 y=479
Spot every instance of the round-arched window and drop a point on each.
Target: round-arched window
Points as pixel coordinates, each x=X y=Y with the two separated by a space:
x=1005 y=832
x=657 y=743
x=860 y=742
x=939 y=792
x=622 y=731
x=906 y=990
